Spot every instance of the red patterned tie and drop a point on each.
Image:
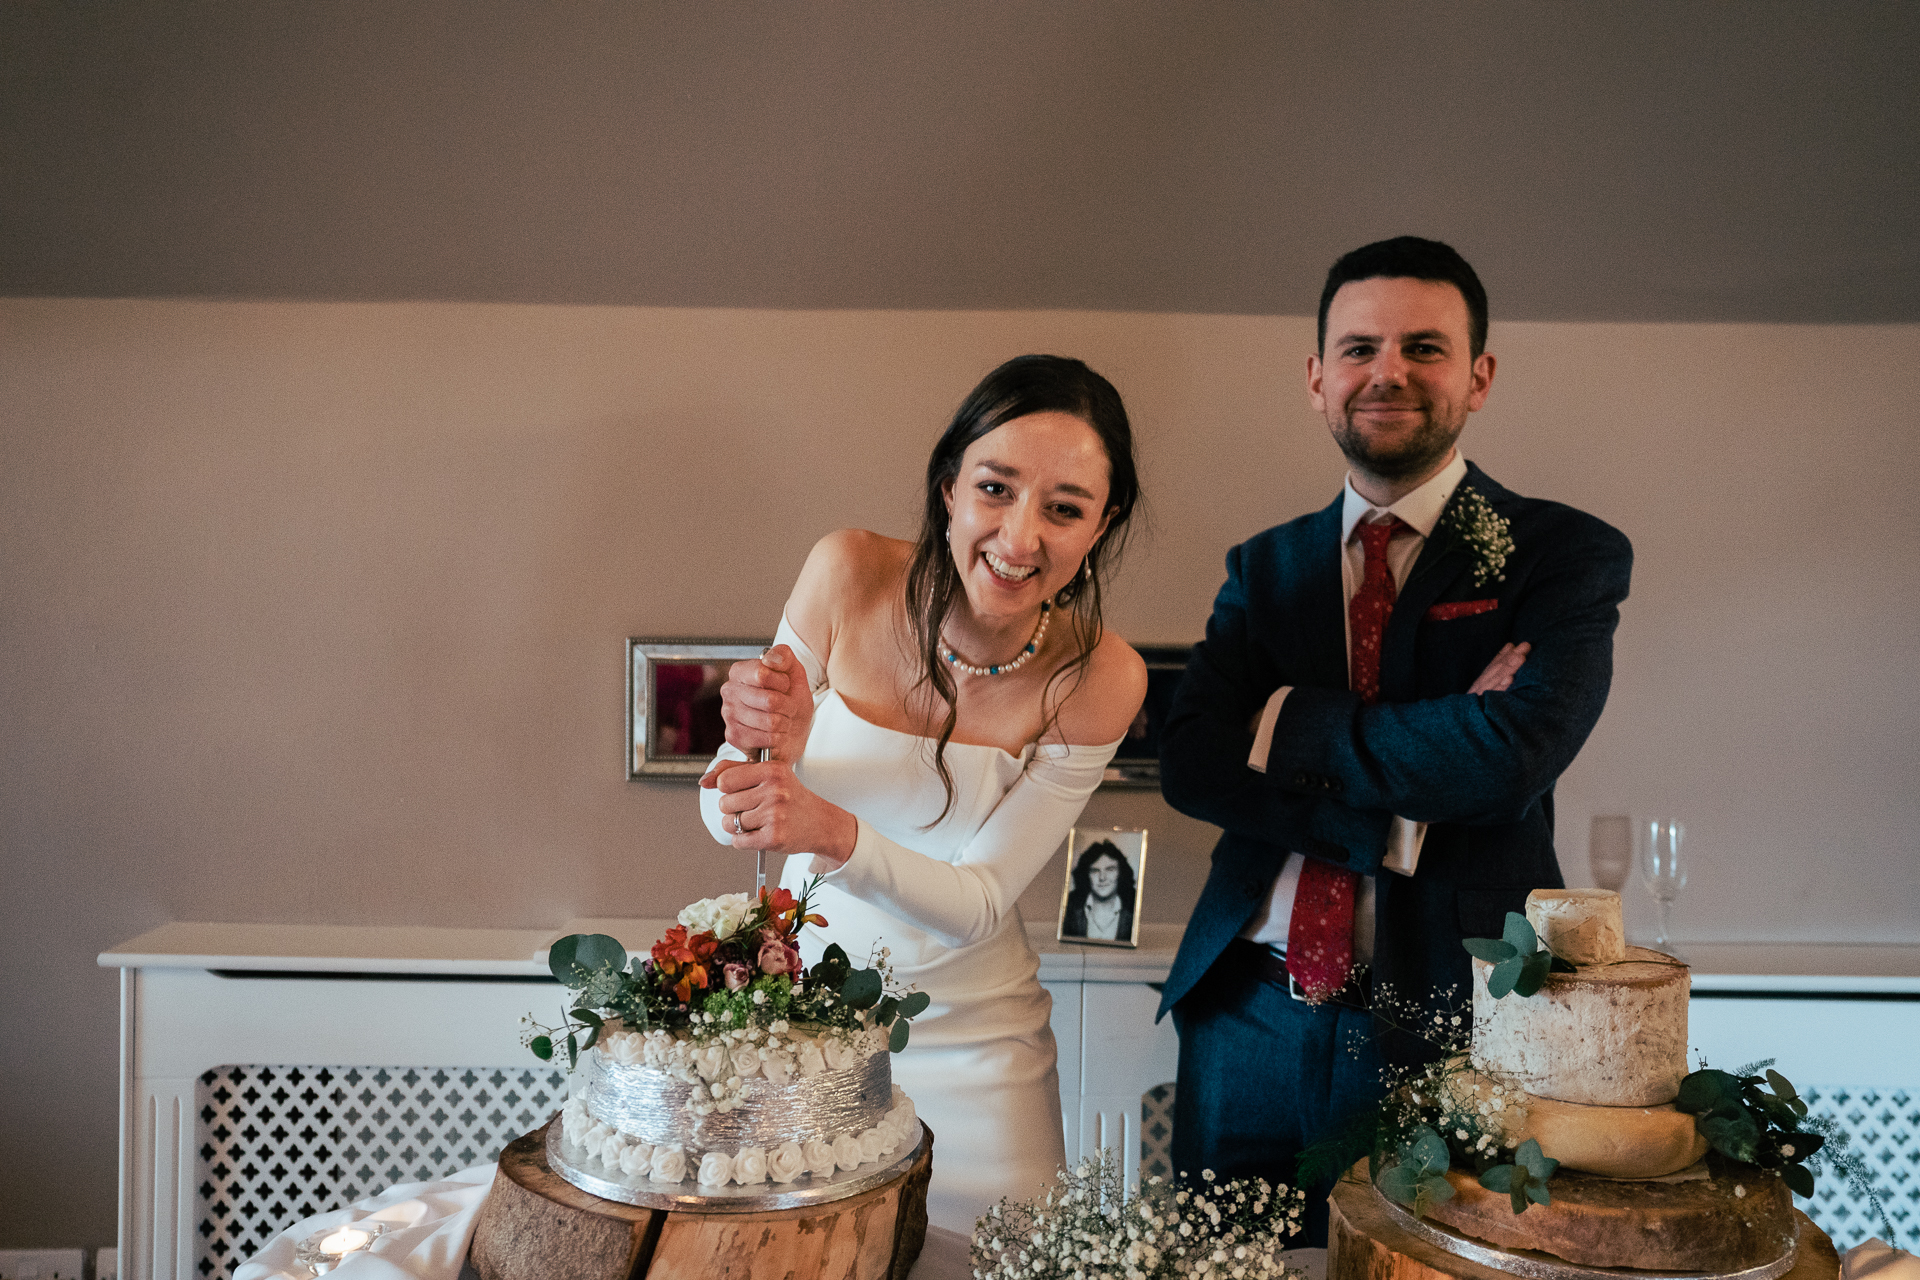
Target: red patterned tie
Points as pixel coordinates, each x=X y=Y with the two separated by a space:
x=1320 y=931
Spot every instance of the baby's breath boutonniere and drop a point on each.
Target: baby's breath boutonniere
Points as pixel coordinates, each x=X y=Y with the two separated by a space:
x=1483 y=531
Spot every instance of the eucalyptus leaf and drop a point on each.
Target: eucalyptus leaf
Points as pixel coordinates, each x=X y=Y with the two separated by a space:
x=1500 y=1177
x=1533 y=973
x=862 y=988
x=1400 y=1183
x=916 y=1004
x=1536 y=1162
x=1520 y=935
x=1492 y=950
x=884 y=1011
x=1429 y=1152
x=573 y=1051
x=542 y=1047
x=835 y=954
x=1782 y=1087
x=1736 y=1137
x=1538 y=1193
x=1501 y=981
x=1706 y=1091
x=574 y=958
x=1803 y=1144
x=1799 y=1179
x=897 y=1039
x=587 y=1016
x=1435 y=1187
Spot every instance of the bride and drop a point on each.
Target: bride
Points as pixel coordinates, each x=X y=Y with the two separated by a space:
x=937 y=713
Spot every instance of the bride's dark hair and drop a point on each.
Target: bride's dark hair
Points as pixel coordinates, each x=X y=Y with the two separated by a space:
x=1023 y=385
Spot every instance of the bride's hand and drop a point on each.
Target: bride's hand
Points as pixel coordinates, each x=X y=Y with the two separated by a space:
x=767 y=705
x=766 y=807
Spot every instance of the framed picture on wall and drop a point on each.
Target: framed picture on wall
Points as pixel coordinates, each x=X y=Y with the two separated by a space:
x=1106 y=874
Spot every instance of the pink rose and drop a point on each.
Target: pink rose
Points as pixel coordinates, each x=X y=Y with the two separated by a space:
x=737 y=976
x=778 y=957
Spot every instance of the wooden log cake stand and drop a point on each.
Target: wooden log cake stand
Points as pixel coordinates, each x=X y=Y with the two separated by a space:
x=535 y=1225
x=1365 y=1243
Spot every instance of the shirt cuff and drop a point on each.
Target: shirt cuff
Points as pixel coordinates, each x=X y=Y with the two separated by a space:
x=1263 y=731
x=1404 y=840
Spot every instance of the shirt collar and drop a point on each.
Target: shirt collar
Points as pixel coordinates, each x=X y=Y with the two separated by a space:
x=1420 y=509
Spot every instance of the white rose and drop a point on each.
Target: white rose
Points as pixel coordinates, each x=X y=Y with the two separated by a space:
x=904 y=1116
x=819 y=1156
x=721 y=915
x=777 y=1067
x=872 y=1143
x=786 y=1162
x=750 y=1166
x=713 y=1061
x=595 y=1135
x=611 y=1148
x=746 y=1062
x=628 y=1050
x=846 y=1151
x=669 y=1165
x=636 y=1159
x=716 y=1169
x=809 y=1060
x=839 y=1054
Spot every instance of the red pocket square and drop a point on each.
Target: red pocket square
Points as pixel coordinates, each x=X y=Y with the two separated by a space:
x=1461 y=609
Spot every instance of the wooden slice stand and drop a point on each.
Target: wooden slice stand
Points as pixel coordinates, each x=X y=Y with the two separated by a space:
x=1365 y=1243
x=535 y=1225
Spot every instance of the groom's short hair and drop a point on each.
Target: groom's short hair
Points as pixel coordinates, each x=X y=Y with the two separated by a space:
x=1414 y=258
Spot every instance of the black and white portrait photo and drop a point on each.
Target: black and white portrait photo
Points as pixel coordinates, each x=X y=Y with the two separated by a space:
x=1101 y=902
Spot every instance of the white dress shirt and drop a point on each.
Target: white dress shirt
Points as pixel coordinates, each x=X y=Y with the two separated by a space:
x=1420 y=511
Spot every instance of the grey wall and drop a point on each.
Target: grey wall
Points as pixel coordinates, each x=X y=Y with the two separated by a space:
x=296 y=593
x=1638 y=160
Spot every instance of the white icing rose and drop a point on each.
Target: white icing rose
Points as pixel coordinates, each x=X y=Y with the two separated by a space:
x=611 y=1148
x=746 y=1061
x=777 y=1067
x=628 y=1050
x=819 y=1156
x=574 y=1121
x=713 y=1061
x=669 y=1165
x=810 y=1061
x=872 y=1143
x=657 y=1049
x=750 y=1166
x=846 y=1151
x=636 y=1159
x=596 y=1135
x=722 y=915
x=716 y=1169
x=786 y=1162
x=839 y=1054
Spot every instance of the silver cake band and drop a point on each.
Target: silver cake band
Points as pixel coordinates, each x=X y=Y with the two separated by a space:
x=649 y=1105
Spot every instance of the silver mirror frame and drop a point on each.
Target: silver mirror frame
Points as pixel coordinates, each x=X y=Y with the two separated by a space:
x=643 y=655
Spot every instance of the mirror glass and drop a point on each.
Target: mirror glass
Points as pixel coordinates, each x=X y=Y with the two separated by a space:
x=673 y=703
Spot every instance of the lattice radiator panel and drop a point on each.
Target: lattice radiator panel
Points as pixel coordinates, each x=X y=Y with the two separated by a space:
x=274 y=1144
x=1883 y=1130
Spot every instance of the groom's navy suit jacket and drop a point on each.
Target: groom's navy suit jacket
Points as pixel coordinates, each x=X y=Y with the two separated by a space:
x=1479 y=769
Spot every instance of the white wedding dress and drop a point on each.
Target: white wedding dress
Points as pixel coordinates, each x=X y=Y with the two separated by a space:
x=980 y=1066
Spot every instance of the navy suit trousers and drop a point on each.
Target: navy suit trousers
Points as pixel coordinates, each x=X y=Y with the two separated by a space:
x=1262 y=1076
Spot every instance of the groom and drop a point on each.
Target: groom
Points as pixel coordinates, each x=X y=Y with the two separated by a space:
x=1387 y=691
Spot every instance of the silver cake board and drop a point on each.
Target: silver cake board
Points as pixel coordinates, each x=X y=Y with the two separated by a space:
x=1534 y=1265
x=570 y=1162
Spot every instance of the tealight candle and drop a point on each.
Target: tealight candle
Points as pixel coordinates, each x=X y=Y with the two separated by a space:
x=345 y=1240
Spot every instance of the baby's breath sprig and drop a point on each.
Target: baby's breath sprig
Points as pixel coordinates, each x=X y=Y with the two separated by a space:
x=1485 y=533
x=1086 y=1228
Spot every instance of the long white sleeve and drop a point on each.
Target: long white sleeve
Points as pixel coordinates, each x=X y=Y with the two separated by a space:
x=963 y=901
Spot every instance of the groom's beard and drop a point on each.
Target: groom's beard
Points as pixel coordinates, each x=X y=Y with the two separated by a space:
x=1396 y=459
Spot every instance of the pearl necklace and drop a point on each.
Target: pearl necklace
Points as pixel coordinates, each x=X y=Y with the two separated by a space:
x=1033 y=647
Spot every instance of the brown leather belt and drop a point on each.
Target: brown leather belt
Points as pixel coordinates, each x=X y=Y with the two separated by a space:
x=1270 y=966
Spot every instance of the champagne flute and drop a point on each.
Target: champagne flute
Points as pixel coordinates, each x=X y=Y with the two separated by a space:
x=1610 y=850
x=1663 y=872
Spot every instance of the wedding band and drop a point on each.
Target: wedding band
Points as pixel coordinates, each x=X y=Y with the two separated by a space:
x=738 y=828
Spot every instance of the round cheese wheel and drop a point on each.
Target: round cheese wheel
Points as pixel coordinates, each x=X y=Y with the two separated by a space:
x=1615 y=1142
x=1581 y=926
x=1613 y=1035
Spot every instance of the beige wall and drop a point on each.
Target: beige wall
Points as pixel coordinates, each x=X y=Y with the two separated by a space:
x=315 y=611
